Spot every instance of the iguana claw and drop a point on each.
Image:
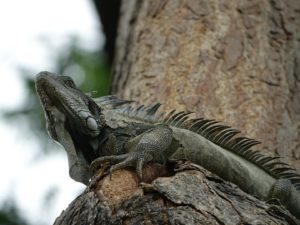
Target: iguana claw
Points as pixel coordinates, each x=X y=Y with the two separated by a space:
x=123 y=161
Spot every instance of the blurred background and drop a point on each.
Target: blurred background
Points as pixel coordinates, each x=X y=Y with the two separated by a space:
x=74 y=38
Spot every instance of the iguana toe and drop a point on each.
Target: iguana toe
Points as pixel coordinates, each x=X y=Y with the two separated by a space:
x=111 y=158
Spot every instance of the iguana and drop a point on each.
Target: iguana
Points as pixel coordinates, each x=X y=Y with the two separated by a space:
x=103 y=129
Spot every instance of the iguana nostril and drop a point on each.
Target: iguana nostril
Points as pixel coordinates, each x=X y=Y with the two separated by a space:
x=92 y=124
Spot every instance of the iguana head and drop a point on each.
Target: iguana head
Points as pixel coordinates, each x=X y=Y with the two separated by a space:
x=73 y=119
x=61 y=92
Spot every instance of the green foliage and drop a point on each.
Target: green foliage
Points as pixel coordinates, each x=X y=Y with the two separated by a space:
x=9 y=215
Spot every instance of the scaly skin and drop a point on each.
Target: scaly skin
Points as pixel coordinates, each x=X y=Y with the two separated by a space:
x=106 y=131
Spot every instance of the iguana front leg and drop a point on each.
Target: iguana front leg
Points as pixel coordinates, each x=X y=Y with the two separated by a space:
x=148 y=146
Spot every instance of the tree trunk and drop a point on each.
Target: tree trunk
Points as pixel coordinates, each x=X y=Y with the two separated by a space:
x=234 y=61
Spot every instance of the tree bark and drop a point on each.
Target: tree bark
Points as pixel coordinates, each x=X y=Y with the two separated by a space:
x=191 y=196
x=234 y=61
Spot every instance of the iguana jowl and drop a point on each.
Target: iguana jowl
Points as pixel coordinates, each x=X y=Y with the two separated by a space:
x=107 y=128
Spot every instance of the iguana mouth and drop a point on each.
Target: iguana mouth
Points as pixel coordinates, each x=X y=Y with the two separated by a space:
x=46 y=101
x=41 y=87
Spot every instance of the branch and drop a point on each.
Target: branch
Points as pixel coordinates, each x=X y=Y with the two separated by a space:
x=187 y=194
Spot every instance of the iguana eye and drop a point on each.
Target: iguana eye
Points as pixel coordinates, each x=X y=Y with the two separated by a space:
x=68 y=81
x=92 y=124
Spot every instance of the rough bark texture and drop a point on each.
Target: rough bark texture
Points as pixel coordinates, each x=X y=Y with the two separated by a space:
x=192 y=196
x=235 y=61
